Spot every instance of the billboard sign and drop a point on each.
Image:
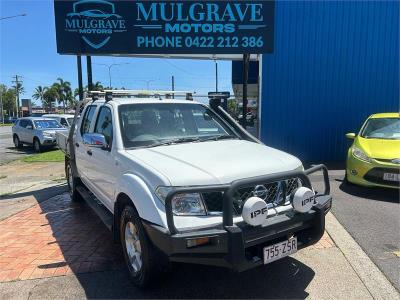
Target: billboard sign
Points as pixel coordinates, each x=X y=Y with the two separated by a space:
x=164 y=27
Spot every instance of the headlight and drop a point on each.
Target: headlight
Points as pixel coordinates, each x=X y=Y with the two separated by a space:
x=183 y=204
x=358 y=153
x=47 y=134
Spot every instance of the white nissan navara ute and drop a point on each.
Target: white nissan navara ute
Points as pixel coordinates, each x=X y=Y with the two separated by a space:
x=177 y=181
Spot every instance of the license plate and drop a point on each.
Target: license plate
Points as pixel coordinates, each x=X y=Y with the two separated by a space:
x=391 y=177
x=280 y=250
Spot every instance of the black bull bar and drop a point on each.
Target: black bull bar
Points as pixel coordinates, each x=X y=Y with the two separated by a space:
x=230 y=189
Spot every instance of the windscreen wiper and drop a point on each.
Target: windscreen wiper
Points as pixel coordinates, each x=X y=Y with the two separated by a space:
x=175 y=141
x=218 y=138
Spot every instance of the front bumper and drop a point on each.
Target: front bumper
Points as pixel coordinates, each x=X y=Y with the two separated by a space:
x=240 y=246
x=48 y=141
x=370 y=174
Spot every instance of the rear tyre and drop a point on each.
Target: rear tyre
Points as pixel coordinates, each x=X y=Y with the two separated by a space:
x=37 y=147
x=17 y=142
x=140 y=255
x=72 y=182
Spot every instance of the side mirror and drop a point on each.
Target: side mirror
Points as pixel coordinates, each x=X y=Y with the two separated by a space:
x=29 y=127
x=95 y=140
x=351 y=136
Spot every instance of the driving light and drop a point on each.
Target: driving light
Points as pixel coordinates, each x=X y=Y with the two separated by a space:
x=358 y=153
x=190 y=204
x=303 y=199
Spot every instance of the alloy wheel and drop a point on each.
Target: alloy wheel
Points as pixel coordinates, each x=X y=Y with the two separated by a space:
x=133 y=247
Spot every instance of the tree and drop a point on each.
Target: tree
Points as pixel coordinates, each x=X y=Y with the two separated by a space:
x=8 y=99
x=39 y=93
x=63 y=89
x=50 y=96
x=21 y=89
x=97 y=86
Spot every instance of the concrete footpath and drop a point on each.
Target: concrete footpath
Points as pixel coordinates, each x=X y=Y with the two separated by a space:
x=56 y=249
x=51 y=248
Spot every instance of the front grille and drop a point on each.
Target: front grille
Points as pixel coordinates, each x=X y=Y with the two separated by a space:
x=270 y=192
x=375 y=175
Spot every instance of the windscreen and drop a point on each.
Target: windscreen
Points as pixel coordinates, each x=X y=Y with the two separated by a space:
x=154 y=124
x=382 y=128
x=47 y=124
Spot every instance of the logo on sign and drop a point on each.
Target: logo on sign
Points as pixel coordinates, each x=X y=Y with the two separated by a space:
x=95 y=20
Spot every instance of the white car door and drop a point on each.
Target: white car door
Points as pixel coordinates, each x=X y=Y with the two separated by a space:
x=104 y=170
x=26 y=131
x=83 y=159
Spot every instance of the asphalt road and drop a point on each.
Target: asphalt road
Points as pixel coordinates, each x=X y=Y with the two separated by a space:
x=7 y=150
x=372 y=217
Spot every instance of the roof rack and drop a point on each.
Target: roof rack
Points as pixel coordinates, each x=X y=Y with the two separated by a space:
x=110 y=94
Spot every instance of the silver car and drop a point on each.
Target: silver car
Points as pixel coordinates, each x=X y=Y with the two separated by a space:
x=38 y=132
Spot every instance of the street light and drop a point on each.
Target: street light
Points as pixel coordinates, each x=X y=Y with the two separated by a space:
x=10 y=17
x=109 y=69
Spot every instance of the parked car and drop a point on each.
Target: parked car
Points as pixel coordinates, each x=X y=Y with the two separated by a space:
x=177 y=182
x=374 y=157
x=38 y=132
x=65 y=120
x=10 y=120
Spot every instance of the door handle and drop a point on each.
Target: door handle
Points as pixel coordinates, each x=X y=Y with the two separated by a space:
x=77 y=145
x=89 y=152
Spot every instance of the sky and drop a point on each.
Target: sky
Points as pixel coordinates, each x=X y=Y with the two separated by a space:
x=28 y=49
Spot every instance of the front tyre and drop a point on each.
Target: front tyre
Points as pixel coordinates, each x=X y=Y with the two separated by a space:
x=139 y=253
x=37 y=147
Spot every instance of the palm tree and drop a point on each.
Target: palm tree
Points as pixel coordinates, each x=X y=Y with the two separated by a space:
x=50 y=96
x=39 y=93
x=63 y=89
x=97 y=86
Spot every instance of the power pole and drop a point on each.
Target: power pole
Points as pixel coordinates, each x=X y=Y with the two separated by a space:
x=246 y=62
x=17 y=82
x=1 y=106
x=173 y=86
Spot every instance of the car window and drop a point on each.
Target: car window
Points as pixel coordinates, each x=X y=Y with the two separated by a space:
x=29 y=123
x=148 y=124
x=47 y=124
x=382 y=128
x=22 y=123
x=87 y=119
x=104 y=124
x=63 y=122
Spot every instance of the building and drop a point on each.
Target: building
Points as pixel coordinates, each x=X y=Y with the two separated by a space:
x=334 y=64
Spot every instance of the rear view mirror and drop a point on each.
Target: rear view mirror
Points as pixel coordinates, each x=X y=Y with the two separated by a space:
x=351 y=136
x=206 y=116
x=29 y=127
x=95 y=140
